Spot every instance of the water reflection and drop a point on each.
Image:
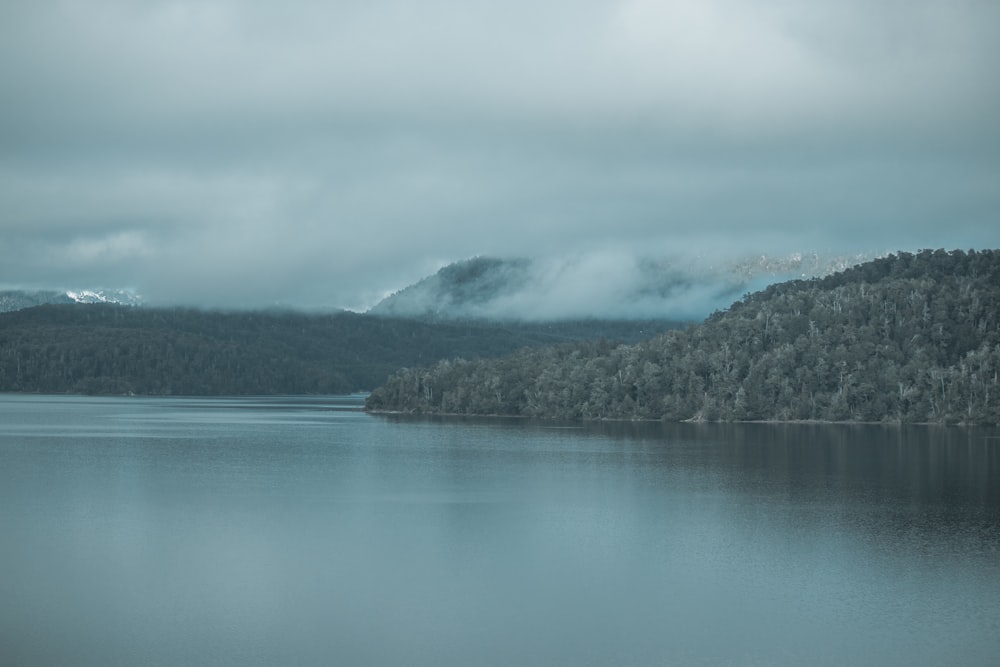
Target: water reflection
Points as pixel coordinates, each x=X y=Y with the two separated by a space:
x=300 y=531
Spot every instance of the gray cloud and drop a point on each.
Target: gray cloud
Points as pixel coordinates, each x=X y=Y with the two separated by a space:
x=317 y=153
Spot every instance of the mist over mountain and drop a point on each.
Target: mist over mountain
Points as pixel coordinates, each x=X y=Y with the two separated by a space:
x=610 y=286
x=595 y=286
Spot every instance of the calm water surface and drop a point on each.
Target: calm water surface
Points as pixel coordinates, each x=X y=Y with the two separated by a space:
x=300 y=531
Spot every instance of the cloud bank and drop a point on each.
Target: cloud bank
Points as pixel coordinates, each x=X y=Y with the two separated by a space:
x=322 y=154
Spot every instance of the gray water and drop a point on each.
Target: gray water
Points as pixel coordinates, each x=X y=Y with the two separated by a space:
x=300 y=531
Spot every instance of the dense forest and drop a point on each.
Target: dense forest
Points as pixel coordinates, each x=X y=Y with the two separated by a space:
x=109 y=349
x=906 y=338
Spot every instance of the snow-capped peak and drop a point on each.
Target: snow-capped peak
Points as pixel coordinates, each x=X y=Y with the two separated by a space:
x=119 y=296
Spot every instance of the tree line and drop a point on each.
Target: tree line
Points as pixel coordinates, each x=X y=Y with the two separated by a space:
x=110 y=349
x=905 y=338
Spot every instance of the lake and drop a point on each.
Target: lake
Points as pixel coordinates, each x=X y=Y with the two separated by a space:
x=302 y=531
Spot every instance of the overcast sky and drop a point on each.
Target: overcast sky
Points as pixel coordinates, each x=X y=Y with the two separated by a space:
x=316 y=153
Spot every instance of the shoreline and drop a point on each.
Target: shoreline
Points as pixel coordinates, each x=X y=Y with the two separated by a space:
x=815 y=422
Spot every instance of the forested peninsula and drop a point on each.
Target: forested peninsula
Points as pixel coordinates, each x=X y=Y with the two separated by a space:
x=905 y=338
x=114 y=349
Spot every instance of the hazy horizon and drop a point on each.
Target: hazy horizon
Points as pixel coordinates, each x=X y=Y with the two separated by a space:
x=599 y=285
x=319 y=154
x=606 y=285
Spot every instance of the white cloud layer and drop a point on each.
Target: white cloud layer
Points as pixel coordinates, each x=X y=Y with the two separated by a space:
x=321 y=153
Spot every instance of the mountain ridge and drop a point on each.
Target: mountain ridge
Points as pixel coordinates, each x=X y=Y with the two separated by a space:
x=604 y=286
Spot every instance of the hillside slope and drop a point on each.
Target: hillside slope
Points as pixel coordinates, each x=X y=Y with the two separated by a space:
x=910 y=337
x=105 y=349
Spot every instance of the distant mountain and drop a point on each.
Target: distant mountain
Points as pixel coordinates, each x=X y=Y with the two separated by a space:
x=463 y=290
x=120 y=297
x=608 y=287
x=905 y=338
x=11 y=300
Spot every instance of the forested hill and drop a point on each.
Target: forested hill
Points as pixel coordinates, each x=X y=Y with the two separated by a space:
x=910 y=337
x=108 y=349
